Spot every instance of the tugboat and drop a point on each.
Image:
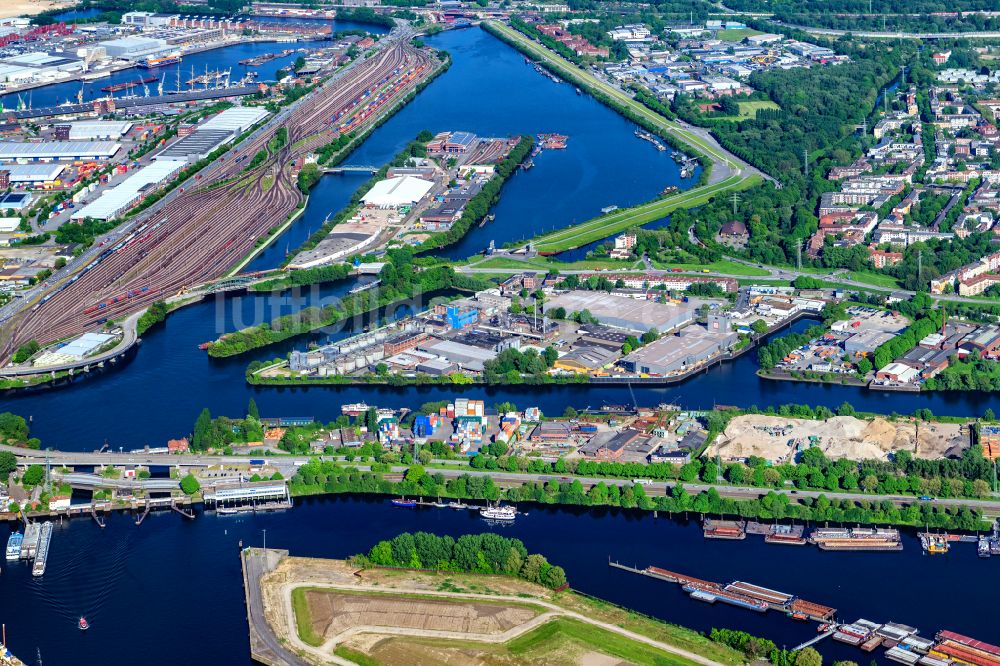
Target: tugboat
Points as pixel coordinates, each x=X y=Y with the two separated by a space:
x=83 y=624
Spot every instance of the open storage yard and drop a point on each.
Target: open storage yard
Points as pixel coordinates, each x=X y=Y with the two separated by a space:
x=328 y=611
x=777 y=438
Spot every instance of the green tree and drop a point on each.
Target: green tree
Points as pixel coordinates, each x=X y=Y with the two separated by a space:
x=8 y=463
x=808 y=657
x=252 y=410
x=190 y=485
x=202 y=437
x=33 y=476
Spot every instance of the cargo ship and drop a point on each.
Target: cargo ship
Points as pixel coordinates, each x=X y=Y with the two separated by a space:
x=42 y=554
x=153 y=63
x=115 y=87
x=838 y=538
x=14 y=546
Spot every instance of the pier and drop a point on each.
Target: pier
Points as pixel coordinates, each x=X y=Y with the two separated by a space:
x=816 y=639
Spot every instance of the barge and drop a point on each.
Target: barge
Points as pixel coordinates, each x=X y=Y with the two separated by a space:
x=733 y=530
x=856 y=539
x=42 y=554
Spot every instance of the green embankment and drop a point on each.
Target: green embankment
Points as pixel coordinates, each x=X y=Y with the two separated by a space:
x=626 y=218
x=303 y=618
x=601 y=227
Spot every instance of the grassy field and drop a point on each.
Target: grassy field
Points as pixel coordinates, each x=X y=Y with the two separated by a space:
x=601 y=227
x=748 y=110
x=722 y=266
x=303 y=618
x=736 y=35
x=875 y=279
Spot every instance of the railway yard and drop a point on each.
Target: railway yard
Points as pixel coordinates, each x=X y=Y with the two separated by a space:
x=211 y=226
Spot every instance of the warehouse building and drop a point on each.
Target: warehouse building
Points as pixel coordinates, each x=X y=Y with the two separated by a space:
x=468 y=357
x=58 y=150
x=396 y=192
x=33 y=174
x=236 y=120
x=195 y=146
x=671 y=354
x=15 y=201
x=638 y=315
x=135 y=48
x=866 y=342
x=130 y=192
x=98 y=130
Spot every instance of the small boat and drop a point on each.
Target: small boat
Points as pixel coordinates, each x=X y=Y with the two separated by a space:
x=440 y=505
x=983 y=547
x=83 y=624
x=204 y=345
x=798 y=615
x=402 y=501
x=457 y=505
x=579 y=92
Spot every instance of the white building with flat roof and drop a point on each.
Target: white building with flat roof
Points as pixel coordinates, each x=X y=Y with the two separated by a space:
x=88 y=130
x=396 y=192
x=57 y=150
x=131 y=191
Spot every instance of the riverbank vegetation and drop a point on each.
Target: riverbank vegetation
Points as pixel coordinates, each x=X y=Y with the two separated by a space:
x=155 y=314
x=400 y=281
x=485 y=553
x=329 y=478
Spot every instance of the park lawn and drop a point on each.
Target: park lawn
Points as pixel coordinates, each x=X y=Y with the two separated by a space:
x=875 y=279
x=737 y=35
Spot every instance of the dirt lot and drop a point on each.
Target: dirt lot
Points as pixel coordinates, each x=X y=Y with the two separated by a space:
x=334 y=612
x=838 y=437
x=9 y=8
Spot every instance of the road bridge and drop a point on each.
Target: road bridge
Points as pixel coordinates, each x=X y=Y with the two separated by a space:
x=352 y=168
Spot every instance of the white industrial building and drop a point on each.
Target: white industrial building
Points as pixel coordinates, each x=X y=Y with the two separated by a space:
x=32 y=174
x=135 y=48
x=57 y=150
x=237 y=119
x=15 y=74
x=131 y=191
x=90 y=130
x=396 y=192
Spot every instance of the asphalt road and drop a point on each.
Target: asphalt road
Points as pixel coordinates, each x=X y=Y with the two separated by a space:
x=267 y=648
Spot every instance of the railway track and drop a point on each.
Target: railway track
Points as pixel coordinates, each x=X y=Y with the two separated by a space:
x=216 y=223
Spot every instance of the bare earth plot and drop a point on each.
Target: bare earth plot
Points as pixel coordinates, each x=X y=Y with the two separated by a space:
x=331 y=613
x=775 y=438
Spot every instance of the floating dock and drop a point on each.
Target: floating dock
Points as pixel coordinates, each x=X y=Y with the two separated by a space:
x=30 y=542
x=780 y=534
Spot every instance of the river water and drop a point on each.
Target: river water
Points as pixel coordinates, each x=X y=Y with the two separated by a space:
x=181 y=578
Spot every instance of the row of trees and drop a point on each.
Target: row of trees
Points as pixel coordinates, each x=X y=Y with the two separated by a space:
x=326 y=477
x=485 y=553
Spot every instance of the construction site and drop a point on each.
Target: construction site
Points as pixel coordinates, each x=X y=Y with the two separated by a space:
x=778 y=439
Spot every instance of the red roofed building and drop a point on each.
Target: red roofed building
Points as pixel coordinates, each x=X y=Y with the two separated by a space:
x=178 y=445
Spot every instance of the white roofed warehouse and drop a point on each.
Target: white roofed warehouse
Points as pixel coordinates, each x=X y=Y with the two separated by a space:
x=50 y=151
x=396 y=192
x=130 y=192
x=101 y=130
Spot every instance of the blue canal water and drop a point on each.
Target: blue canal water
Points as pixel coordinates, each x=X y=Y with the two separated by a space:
x=173 y=585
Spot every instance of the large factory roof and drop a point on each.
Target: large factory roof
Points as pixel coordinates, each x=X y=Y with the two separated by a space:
x=98 y=129
x=32 y=173
x=116 y=200
x=631 y=314
x=236 y=119
x=133 y=43
x=401 y=191
x=196 y=145
x=58 y=150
